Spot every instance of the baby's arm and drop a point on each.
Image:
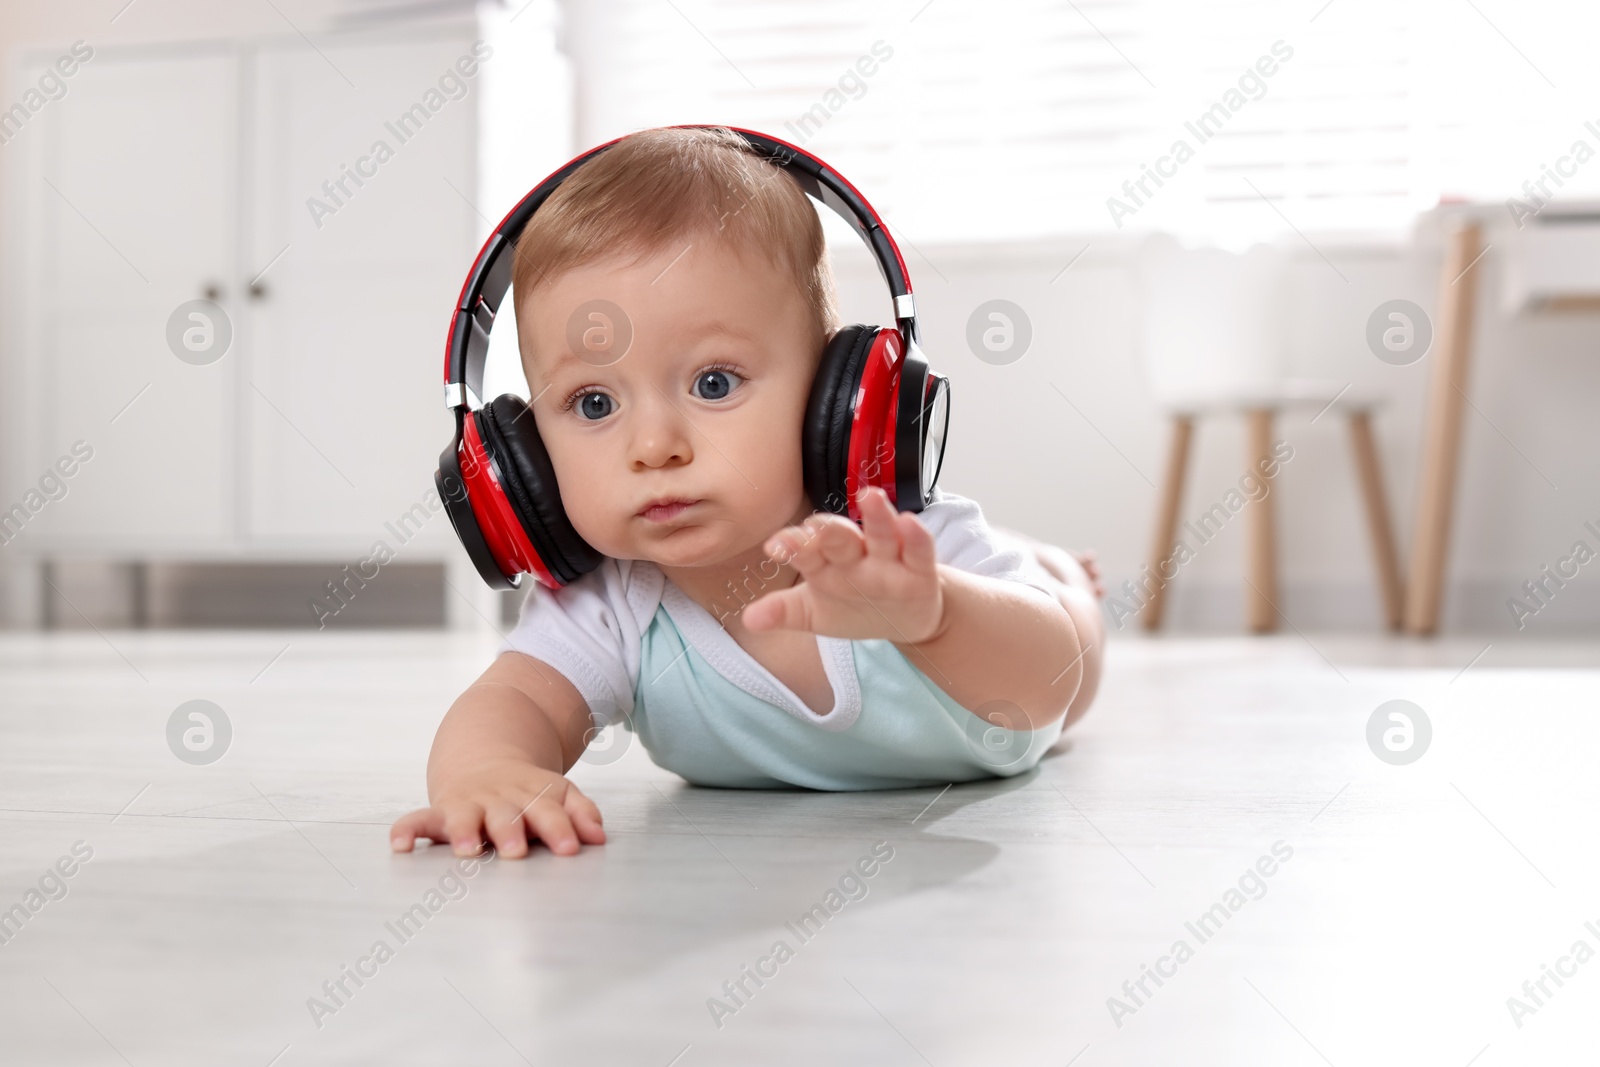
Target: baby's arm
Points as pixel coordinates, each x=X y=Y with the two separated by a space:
x=980 y=639
x=498 y=764
x=1006 y=645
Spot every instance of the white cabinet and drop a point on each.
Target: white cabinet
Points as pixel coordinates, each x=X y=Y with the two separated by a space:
x=133 y=192
x=344 y=419
x=252 y=170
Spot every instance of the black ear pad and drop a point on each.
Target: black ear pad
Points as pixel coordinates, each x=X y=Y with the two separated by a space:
x=525 y=472
x=825 y=435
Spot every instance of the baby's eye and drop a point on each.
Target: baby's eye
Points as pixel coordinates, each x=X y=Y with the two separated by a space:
x=717 y=383
x=593 y=406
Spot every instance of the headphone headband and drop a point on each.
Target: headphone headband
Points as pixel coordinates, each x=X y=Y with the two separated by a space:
x=490 y=278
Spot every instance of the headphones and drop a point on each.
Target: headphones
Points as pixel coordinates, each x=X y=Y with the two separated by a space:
x=876 y=414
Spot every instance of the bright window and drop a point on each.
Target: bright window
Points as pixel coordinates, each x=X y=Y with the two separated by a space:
x=1008 y=119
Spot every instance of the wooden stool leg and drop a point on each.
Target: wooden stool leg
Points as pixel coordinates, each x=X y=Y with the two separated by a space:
x=1378 y=524
x=1167 y=519
x=1261 y=594
x=1442 y=448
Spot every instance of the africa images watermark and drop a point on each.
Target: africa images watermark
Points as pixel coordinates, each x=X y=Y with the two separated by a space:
x=1542 y=590
x=52 y=86
x=199 y=732
x=52 y=886
x=404 y=127
x=1538 y=190
x=851 y=886
x=52 y=486
x=452 y=886
x=1254 y=486
x=1399 y=732
x=1204 y=928
x=852 y=85
x=340 y=594
x=1580 y=953
x=1203 y=127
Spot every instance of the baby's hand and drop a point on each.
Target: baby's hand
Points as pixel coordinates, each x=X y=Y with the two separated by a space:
x=509 y=798
x=879 y=580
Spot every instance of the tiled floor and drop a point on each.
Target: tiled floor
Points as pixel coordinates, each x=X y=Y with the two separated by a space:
x=1404 y=906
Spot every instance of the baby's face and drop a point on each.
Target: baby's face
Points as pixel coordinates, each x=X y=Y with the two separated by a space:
x=705 y=405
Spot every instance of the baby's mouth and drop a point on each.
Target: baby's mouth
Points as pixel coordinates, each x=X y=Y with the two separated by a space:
x=666 y=511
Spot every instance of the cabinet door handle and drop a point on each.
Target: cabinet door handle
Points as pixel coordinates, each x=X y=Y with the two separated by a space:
x=258 y=291
x=212 y=292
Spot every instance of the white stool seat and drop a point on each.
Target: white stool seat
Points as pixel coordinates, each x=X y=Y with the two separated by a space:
x=1291 y=393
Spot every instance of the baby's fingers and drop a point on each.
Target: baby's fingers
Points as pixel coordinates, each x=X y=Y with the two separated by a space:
x=819 y=540
x=919 y=552
x=458 y=825
x=549 y=820
x=585 y=817
x=781 y=609
x=463 y=827
x=839 y=542
x=883 y=536
x=424 y=822
x=506 y=829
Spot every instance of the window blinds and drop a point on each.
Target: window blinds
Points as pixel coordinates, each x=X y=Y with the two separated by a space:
x=1229 y=121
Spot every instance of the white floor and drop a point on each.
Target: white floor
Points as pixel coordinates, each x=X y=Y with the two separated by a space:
x=220 y=898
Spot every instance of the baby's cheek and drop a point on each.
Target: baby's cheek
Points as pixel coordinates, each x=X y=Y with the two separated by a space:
x=599 y=524
x=789 y=498
x=579 y=503
x=778 y=455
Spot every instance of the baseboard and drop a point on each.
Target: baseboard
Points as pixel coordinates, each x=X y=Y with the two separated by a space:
x=1468 y=607
x=283 y=595
x=83 y=594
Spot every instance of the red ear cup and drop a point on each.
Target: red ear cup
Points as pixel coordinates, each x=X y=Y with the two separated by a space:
x=467 y=488
x=527 y=477
x=873 y=454
x=500 y=492
x=852 y=435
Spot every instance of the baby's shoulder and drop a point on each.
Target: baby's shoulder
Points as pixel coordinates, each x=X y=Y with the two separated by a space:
x=964 y=539
x=630 y=587
x=956 y=522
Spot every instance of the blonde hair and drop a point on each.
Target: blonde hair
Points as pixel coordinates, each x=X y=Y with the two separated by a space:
x=660 y=185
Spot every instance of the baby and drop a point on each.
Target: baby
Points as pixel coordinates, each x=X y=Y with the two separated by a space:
x=748 y=639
